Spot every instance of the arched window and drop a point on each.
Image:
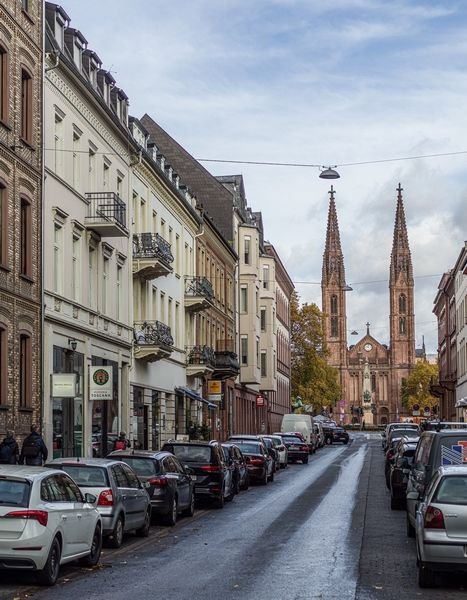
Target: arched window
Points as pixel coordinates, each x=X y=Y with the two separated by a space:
x=25 y=371
x=334 y=327
x=402 y=304
x=3 y=364
x=26 y=237
x=402 y=325
x=3 y=223
x=334 y=305
x=26 y=105
x=373 y=382
x=4 y=84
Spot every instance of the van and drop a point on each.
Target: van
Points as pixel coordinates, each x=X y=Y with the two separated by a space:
x=434 y=449
x=302 y=424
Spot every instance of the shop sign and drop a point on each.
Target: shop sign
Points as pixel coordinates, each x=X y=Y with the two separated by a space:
x=100 y=383
x=259 y=400
x=64 y=385
x=214 y=390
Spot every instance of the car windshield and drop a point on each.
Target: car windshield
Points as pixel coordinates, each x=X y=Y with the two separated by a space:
x=14 y=492
x=146 y=467
x=86 y=475
x=249 y=447
x=407 y=432
x=452 y=490
x=292 y=440
x=192 y=453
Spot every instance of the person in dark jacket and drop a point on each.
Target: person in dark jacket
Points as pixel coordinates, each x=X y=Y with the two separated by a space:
x=9 y=450
x=33 y=451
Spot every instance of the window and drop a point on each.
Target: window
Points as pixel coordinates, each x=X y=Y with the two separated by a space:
x=76 y=156
x=266 y=277
x=402 y=304
x=402 y=325
x=257 y=352
x=3 y=365
x=244 y=299
x=91 y=168
x=76 y=268
x=25 y=5
x=244 y=350
x=92 y=274
x=333 y=305
x=106 y=174
x=26 y=237
x=334 y=327
x=105 y=284
x=3 y=225
x=120 y=186
x=58 y=143
x=263 y=319
x=58 y=278
x=246 y=249
x=4 y=85
x=119 y=292
x=26 y=106
x=264 y=358
x=25 y=371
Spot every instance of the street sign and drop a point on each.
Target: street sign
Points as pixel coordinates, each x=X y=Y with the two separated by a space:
x=259 y=400
x=214 y=390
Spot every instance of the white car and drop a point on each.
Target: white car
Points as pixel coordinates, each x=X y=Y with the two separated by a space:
x=281 y=449
x=45 y=522
x=441 y=525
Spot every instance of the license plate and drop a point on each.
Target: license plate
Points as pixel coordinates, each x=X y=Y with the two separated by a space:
x=193 y=477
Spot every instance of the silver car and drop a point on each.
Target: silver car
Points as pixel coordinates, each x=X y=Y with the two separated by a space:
x=121 y=498
x=441 y=525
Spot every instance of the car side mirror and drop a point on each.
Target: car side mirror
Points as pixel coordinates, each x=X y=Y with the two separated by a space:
x=90 y=498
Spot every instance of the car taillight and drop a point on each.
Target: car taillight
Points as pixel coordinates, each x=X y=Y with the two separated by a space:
x=41 y=516
x=158 y=481
x=106 y=498
x=305 y=448
x=434 y=518
x=257 y=461
x=210 y=468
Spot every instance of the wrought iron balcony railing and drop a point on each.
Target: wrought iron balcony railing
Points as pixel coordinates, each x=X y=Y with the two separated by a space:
x=106 y=209
x=153 y=333
x=199 y=286
x=152 y=245
x=200 y=355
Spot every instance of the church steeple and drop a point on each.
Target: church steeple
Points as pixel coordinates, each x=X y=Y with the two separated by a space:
x=333 y=290
x=401 y=292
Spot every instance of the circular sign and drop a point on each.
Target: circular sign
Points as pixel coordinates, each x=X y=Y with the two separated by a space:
x=100 y=377
x=416 y=407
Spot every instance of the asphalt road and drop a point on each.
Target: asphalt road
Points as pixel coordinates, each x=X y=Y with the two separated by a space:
x=319 y=531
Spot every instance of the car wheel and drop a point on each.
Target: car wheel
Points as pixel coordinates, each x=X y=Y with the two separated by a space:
x=426 y=578
x=116 y=537
x=410 y=527
x=305 y=461
x=143 y=531
x=171 y=517
x=49 y=574
x=92 y=558
x=190 y=511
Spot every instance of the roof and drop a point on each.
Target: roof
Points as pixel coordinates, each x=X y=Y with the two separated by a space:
x=453 y=469
x=83 y=461
x=24 y=471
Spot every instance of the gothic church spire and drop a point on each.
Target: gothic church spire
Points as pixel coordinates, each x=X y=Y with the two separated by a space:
x=401 y=260
x=333 y=259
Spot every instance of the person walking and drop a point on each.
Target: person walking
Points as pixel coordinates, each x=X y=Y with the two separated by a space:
x=9 y=451
x=121 y=443
x=33 y=451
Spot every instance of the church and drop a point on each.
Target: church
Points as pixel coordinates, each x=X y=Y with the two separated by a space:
x=370 y=373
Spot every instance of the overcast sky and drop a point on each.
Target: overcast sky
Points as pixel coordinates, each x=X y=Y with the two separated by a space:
x=312 y=81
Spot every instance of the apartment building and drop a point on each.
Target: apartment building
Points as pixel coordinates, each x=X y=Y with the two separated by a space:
x=460 y=285
x=21 y=51
x=88 y=328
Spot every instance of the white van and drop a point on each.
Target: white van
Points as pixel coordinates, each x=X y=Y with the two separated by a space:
x=302 y=424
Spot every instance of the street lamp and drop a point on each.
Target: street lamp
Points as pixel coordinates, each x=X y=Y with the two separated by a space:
x=329 y=173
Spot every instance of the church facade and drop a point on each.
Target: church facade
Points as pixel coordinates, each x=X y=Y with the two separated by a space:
x=370 y=373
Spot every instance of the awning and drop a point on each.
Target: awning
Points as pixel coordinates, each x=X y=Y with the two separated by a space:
x=195 y=396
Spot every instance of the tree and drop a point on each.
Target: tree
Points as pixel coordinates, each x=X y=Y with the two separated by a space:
x=312 y=378
x=416 y=388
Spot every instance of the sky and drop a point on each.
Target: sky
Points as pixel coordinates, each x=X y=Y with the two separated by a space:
x=320 y=83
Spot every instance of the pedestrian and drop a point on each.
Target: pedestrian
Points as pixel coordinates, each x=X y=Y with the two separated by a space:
x=33 y=451
x=9 y=451
x=363 y=424
x=121 y=443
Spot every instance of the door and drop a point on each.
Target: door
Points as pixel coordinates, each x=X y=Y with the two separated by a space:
x=183 y=481
x=138 y=496
x=61 y=507
x=85 y=518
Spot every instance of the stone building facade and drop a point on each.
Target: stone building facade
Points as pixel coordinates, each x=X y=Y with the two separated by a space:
x=386 y=365
x=21 y=51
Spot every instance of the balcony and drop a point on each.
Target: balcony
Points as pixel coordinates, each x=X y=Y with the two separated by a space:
x=200 y=361
x=152 y=256
x=199 y=294
x=153 y=340
x=226 y=363
x=106 y=214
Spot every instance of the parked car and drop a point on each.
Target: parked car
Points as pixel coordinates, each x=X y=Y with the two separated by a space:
x=267 y=444
x=339 y=434
x=121 y=498
x=439 y=425
x=328 y=428
x=169 y=484
x=297 y=449
x=399 y=432
x=441 y=525
x=281 y=449
x=319 y=432
x=399 y=471
x=274 y=452
x=213 y=479
x=46 y=521
x=434 y=449
x=302 y=423
x=258 y=460
x=235 y=458
x=398 y=425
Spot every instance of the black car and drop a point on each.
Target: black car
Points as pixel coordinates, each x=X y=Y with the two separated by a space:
x=212 y=477
x=296 y=447
x=399 y=471
x=168 y=483
x=339 y=434
x=235 y=458
x=258 y=460
x=328 y=429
